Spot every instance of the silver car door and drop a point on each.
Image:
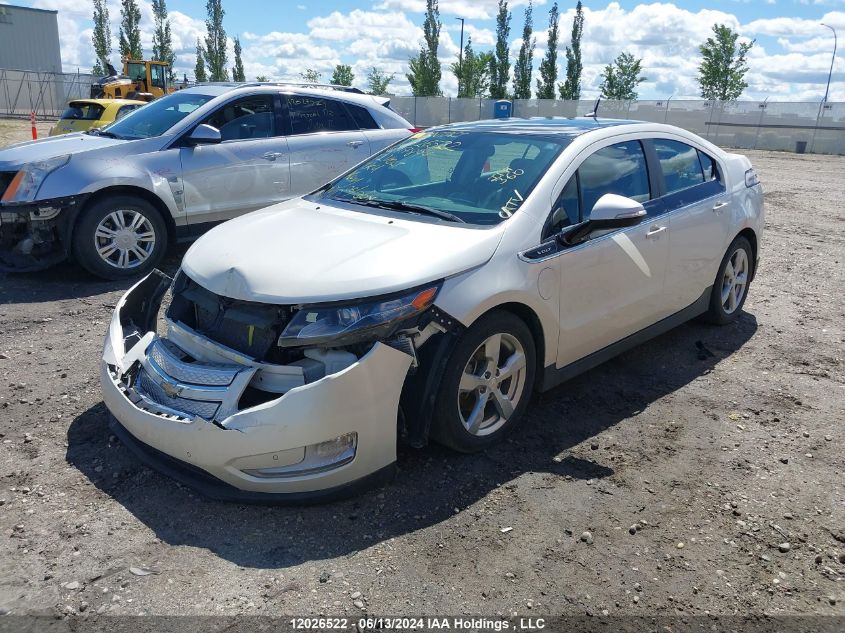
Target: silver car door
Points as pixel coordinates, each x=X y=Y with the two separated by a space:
x=699 y=207
x=249 y=169
x=324 y=141
x=612 y=284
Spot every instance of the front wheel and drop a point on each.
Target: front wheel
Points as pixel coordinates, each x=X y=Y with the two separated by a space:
x=487 y=383
x=120 y=237
x=731 y=285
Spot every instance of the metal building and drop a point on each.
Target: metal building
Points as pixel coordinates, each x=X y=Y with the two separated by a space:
x=29 y=39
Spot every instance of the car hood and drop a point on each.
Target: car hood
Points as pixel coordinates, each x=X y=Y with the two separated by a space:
x=305 y=252
x=52 y=146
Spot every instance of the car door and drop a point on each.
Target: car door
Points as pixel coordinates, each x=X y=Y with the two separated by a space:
x=612 y=284
x=324 y=141
x=249 y=169
x=696 y=200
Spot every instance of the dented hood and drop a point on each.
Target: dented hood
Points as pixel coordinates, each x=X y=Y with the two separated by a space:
x=306 y=252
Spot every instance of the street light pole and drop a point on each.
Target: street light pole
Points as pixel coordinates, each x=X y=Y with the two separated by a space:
x=461 y=57
x=832 y=59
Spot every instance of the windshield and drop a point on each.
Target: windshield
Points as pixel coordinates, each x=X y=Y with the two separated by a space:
x=155 y=118
x=476 y=177
x=81 y=111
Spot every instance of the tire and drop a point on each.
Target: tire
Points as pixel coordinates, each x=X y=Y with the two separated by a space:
x=461 y=395
x=730 y=287
x=123 y=228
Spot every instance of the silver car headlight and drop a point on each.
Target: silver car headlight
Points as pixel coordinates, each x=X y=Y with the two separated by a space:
x=347 y=323
x=28 y=180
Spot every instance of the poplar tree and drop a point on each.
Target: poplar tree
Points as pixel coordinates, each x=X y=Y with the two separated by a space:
x=425 y=67
x=101 y=38
x=162 y=38
x=524 y=62
x=548 y=67
x=621 y=78
x=571 y=86
x=199 y=68
x=130 y=30
x=238 y=73
x=215 y=42
x=500 y=66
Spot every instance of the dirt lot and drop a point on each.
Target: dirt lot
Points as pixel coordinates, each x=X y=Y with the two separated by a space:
x=692 y=471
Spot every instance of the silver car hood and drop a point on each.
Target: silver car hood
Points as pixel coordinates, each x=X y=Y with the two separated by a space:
x=303 y=252
x=32 y=151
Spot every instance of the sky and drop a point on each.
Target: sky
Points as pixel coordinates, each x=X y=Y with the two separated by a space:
x=790 y=59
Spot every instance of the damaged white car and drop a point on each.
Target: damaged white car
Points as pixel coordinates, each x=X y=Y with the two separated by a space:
x=425 y=293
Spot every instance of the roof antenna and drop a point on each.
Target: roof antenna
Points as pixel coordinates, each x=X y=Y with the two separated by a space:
x=595 y=113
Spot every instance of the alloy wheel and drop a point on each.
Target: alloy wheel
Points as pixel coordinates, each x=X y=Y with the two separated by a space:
x=492 y=384
x=735 y=281
x=125 y=239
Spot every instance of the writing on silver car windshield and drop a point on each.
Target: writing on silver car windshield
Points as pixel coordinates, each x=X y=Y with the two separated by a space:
x=459 y=176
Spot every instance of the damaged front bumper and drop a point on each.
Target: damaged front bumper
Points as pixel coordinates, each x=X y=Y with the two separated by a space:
x=187 y=406
x=36 y=235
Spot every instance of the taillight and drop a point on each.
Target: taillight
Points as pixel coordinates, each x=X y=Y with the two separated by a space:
x=414 y=130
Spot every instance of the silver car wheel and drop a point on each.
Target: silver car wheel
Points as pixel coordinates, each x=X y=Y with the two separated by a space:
x=125 y=239
x=735 y=281
x=492 y=384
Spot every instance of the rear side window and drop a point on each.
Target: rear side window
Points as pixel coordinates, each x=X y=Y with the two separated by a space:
x=316 y=114
x=362 y=117
x=680 y=165
x=619 y=169
x=708 y=166
x=124 y=110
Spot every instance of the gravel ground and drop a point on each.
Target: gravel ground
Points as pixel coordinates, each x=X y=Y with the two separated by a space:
x=710 y=479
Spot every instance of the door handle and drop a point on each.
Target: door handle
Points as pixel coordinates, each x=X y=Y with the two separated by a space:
x=655 y=230
x=355 y=144
x=719 y=206
x=272 y=155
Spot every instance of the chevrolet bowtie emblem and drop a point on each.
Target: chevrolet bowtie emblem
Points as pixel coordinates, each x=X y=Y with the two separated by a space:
x=171 y=390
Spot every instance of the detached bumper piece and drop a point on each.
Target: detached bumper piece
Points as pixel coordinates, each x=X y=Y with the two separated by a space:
x=34 y=236
x=238 y=428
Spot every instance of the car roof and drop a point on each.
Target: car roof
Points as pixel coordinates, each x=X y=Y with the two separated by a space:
x=106 y=102
x=215 y=89
x=562 y=126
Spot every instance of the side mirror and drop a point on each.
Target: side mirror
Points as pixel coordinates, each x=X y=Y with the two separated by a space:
x=204 y=134
x=610 y=212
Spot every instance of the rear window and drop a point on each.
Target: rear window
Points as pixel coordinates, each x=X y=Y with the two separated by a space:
x=83 y=111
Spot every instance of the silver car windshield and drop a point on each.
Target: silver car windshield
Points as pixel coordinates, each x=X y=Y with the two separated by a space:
x=459 y=176
x=154 y=119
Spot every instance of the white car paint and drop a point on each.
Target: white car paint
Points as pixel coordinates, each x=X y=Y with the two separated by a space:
x=588 y=299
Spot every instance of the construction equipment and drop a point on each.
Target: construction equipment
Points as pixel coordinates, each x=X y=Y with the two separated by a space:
x=141 y=79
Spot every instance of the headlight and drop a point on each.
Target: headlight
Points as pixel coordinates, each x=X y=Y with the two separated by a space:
x=27 y=181
x=347 y=323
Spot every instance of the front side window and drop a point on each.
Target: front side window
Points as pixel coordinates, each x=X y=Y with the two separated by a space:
x=136 y=71
x=619 y=169
x=247 y=118
x=157 y=75
x=477 y=177
x=316 y=114
x=158 y=116
x=680 y=165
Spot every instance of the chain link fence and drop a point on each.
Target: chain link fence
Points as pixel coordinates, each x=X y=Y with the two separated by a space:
x=772 y=125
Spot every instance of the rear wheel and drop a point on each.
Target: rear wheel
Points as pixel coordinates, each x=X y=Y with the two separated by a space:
x=487 y=384
x=120 y=237
x=731 y=286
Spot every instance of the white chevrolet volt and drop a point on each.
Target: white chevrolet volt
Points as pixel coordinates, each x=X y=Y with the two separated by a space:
x=425 y=293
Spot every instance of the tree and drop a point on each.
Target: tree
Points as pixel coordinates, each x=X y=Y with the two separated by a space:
x=524 y=62
x=261 y=78
x=342 y=75
x=500 y=66
x=215 y=42
x=571 y=86
x=473 y=72
x=162 y=38
x=238 y=73
x=199 y=69
x=130 y=30
x=378 y=80
x=310 y=76
x=721 y=74
x=548 y=67
x=621 y=78
x=101 y=37
x=425 y=67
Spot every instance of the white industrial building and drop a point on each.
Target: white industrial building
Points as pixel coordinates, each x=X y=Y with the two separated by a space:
x=29 y=39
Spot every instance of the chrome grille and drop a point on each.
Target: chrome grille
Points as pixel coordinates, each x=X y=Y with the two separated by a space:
x=151 y=389
x=172 y=362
